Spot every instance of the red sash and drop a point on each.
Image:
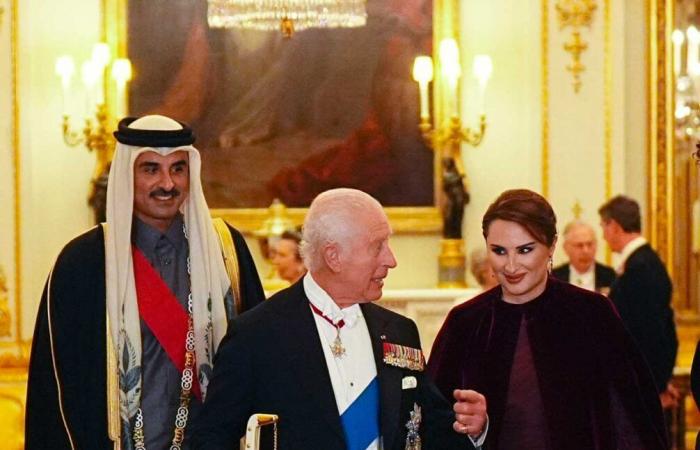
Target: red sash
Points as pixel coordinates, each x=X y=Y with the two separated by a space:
x=162 y=313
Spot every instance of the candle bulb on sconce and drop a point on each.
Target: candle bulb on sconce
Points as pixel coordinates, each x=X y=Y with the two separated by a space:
x=121 y=73
x=693 y=36
x=423 y=74
x=677 y=37
x=451 y=71
x=100 y=59
x=89 y=74
x=65 y=68
x=482 y=72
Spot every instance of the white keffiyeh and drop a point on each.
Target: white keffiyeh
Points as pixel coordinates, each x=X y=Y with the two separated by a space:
x=208 y=280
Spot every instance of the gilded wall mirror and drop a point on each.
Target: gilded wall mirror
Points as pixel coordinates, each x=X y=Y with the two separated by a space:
x=674 y=124
x=685 y=133
x=288 y=118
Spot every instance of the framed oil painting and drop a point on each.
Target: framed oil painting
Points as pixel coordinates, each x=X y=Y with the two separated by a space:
x=289 y=118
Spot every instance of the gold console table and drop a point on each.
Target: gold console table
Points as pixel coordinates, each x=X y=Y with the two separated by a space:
x=13 y=393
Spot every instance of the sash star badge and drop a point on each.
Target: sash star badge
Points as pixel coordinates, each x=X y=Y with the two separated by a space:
x=413 y=441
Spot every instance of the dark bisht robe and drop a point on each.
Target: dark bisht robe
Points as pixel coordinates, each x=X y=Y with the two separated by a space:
x=73 y=323
x=595 y=389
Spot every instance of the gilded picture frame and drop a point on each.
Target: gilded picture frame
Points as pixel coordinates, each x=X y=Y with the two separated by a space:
x=404 y=219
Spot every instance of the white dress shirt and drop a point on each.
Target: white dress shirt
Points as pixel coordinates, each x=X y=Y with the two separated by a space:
x=627 y=250
x=351 y=373
x=584 y=280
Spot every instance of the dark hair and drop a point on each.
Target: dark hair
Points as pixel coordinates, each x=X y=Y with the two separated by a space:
x=624 y=211
x=293 y=235
x=526 y=208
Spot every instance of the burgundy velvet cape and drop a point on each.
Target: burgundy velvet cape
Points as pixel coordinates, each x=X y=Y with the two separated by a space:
x=596 y=388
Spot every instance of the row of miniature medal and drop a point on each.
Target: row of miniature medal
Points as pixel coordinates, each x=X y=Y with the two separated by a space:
x=394 y=354
x=185 y=383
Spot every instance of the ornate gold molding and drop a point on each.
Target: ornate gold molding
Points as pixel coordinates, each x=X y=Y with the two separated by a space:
x=575 y=14
x=577 y=209
x=607 y=97
x=17 y=169
x=545 y=98
x=660 y=155
x=402 y=220
x=14 y=354
x=607 y=109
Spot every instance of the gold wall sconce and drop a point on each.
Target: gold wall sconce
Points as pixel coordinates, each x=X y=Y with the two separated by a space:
x=438 y=136
x=96 y=135
x=447 y=140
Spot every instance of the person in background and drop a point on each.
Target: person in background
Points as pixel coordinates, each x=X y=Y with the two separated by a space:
x=134 y=310
x=340 y=371
x=695 y=384
x=481 y=269
x=642 y=292
x=286 y=257
x=582 y=270
x=555 y=362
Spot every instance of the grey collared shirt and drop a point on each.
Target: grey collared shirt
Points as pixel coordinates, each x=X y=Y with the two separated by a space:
x=167 y=252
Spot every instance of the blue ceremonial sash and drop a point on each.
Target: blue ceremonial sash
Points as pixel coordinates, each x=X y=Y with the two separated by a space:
x=361 y=419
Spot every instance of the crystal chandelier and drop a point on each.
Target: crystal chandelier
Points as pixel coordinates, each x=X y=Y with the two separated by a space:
x=287 y=15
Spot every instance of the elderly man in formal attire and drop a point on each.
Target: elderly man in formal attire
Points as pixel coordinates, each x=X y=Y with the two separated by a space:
x=481 y=269
x=133 y=310
x=642 y=292
x=338 y=370
x=582 y=270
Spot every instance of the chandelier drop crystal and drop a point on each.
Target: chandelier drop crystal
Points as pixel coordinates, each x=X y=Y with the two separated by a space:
x=288 y=15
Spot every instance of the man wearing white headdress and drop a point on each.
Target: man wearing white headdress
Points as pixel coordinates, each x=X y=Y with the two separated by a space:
x=133 y=311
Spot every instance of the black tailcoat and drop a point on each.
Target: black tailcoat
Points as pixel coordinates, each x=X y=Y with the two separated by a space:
x=642 y=296
x=271 y=361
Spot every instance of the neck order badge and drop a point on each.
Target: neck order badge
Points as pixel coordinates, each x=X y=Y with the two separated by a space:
x=337 y=347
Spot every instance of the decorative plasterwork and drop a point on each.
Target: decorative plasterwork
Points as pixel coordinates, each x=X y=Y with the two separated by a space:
x=575 y=14
x=660 y=161
x=577 y=209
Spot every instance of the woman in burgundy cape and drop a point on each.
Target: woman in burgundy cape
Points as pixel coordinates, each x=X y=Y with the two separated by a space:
x=557 y=367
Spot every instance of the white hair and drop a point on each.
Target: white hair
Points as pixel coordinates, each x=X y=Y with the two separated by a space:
x=577 y=223
x=333 y=219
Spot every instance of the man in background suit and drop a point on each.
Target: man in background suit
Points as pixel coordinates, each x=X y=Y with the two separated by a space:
x=583 y=270
x=642 y=292
x=338 y=370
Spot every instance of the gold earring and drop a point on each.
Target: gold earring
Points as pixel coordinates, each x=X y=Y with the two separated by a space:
x=550 y=265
